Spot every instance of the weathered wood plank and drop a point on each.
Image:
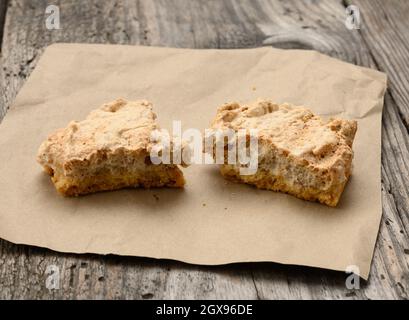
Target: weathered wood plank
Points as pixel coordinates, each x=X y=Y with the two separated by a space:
x=384 y=30
x=213 y=24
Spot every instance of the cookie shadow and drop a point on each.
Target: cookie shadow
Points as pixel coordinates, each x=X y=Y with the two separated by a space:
x=154 y=199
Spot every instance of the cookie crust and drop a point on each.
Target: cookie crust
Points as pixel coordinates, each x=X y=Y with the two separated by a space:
x=108 y=150
x=299 y=153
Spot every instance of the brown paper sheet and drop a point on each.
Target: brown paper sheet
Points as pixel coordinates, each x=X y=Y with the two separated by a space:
x=212 y=221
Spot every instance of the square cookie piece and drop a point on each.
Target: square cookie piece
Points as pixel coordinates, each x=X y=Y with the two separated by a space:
x=299 y=153
x=108 y=150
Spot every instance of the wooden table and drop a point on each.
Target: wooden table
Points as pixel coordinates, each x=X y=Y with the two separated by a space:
x=381 y=43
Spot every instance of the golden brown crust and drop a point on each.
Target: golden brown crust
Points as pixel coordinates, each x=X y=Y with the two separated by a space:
x=106 y=151
x=154 y=177
x=263 y=180
x=299 y=153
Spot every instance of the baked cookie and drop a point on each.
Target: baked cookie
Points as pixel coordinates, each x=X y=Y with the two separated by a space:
x=298 y=152
x=108 y=150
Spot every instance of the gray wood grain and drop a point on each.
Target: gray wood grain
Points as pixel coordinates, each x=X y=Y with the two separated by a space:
x=384 y=32
x=219 y=24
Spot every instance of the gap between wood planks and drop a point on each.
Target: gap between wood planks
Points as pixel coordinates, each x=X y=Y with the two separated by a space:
x=3 y=12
